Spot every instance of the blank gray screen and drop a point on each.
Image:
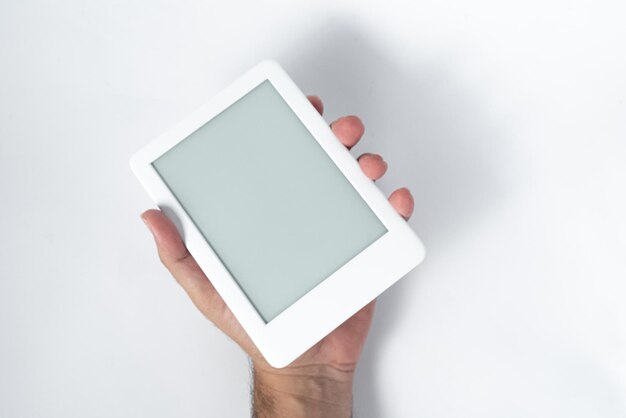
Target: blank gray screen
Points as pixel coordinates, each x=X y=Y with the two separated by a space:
x=269 y=201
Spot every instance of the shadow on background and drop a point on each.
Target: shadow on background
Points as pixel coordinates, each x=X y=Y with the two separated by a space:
x=433 y=137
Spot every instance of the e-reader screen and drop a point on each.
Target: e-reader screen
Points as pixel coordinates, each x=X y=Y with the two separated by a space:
x=267 y=198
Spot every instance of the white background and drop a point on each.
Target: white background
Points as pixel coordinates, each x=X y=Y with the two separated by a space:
x=506 y=119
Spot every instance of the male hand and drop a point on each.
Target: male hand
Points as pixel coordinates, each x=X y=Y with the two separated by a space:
x=319 y=382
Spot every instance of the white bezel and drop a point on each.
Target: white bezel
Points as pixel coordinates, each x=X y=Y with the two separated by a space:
x=335 y=299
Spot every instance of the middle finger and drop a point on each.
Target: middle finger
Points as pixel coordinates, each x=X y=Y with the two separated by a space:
x=348 y=129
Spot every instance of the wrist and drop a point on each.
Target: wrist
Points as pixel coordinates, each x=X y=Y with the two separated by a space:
x=302 y=391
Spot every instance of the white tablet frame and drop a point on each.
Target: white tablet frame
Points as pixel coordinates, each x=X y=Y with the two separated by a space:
x=335 y=299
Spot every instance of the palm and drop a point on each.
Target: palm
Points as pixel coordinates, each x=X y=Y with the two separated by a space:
x=342 y=347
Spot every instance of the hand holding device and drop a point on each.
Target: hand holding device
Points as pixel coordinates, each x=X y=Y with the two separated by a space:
x=323 y=375
x=260 y=196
